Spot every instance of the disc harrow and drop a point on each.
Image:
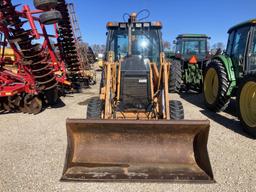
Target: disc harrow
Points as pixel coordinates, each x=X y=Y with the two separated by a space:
x=35 y=76
x=32 y=55
x=67 y=44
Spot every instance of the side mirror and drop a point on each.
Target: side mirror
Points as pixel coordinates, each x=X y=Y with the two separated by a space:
x=106 y=33
x=174 y=42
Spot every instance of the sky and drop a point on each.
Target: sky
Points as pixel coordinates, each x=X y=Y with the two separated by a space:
x=211 y=17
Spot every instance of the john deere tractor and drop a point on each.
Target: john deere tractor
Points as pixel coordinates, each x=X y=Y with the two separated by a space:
x=188 y=62
x=233 y=74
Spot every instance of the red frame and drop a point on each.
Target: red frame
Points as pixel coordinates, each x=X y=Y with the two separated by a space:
x=57 y=64
x=12 y=83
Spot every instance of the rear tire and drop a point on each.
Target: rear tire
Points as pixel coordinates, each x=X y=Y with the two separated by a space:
x=176 y=110
x=175 y=81
x=45 y=5
x=50 y=17
x=216 y=86
x=94 y=109
x=246 y=104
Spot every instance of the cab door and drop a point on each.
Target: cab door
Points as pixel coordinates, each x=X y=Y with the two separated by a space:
x=251 y=64
x=237 y=49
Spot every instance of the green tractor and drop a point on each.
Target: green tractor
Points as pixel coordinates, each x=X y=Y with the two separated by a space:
x=188 y=63
x=233 y=74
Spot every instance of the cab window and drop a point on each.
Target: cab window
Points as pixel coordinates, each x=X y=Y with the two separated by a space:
x=240 y=39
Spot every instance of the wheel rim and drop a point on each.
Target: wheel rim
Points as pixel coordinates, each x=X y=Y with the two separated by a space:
x=211 y=86
x=248 y=104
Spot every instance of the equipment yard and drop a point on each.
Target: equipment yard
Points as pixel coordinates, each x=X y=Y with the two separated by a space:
x=135 y=114
x=32 y=148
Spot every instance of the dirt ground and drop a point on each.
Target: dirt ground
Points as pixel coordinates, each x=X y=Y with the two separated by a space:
x=32 y=150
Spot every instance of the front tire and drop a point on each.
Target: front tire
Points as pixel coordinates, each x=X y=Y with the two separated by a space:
x=246 y=104
x=176 y=110
x=216 y=86
x=94 y=109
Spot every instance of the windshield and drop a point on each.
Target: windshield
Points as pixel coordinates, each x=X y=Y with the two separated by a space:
x=190 y=47
x=252 y=56
x=144 y=43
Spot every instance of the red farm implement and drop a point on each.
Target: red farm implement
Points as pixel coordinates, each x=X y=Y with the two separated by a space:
x=64 y=55
x=47 y=64
x=18 y=90
x=48 y=47
x=38 y=75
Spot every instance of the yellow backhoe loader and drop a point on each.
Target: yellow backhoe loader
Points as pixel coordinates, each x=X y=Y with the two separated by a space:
x=133 y=130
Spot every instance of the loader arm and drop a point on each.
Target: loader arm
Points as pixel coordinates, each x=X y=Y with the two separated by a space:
x=162 y=86
x=110 y=86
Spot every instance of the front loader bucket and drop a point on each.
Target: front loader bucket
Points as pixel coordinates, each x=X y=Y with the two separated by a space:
x=134 y=150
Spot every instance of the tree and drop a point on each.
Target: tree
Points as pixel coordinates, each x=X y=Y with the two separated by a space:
x=98 y=49
x=217 y=48
x=166 y=45
x=218 y=45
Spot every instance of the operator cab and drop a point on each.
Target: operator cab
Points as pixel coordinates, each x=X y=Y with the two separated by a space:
x=135 y=44
x=188 y=45
x=135 y=38
x=241 y=46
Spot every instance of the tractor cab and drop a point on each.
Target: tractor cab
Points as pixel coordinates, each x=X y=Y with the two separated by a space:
x=135 y=39
x=189 y=46
x=241 y=47
x=190 y=58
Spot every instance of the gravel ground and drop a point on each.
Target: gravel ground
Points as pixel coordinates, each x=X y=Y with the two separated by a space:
x=32 y=151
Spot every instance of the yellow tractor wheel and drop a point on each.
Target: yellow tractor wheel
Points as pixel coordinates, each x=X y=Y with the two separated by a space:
x=211 y=86
x=215 y=86
x=247 y=104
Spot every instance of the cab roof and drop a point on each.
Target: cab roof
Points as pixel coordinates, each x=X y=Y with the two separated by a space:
x=246 y=23
x=124 y=25
x=181 y=36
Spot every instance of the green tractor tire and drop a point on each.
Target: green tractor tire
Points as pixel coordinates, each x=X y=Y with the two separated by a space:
x=175 y=80
x=246 y=104
x=216 y=86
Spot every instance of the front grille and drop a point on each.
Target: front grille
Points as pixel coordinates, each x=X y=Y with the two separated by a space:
x=135 y=90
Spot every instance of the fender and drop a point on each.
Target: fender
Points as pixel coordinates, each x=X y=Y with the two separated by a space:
x=226 y=60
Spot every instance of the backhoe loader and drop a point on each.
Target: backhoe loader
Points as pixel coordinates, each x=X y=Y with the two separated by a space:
x=133 y=131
